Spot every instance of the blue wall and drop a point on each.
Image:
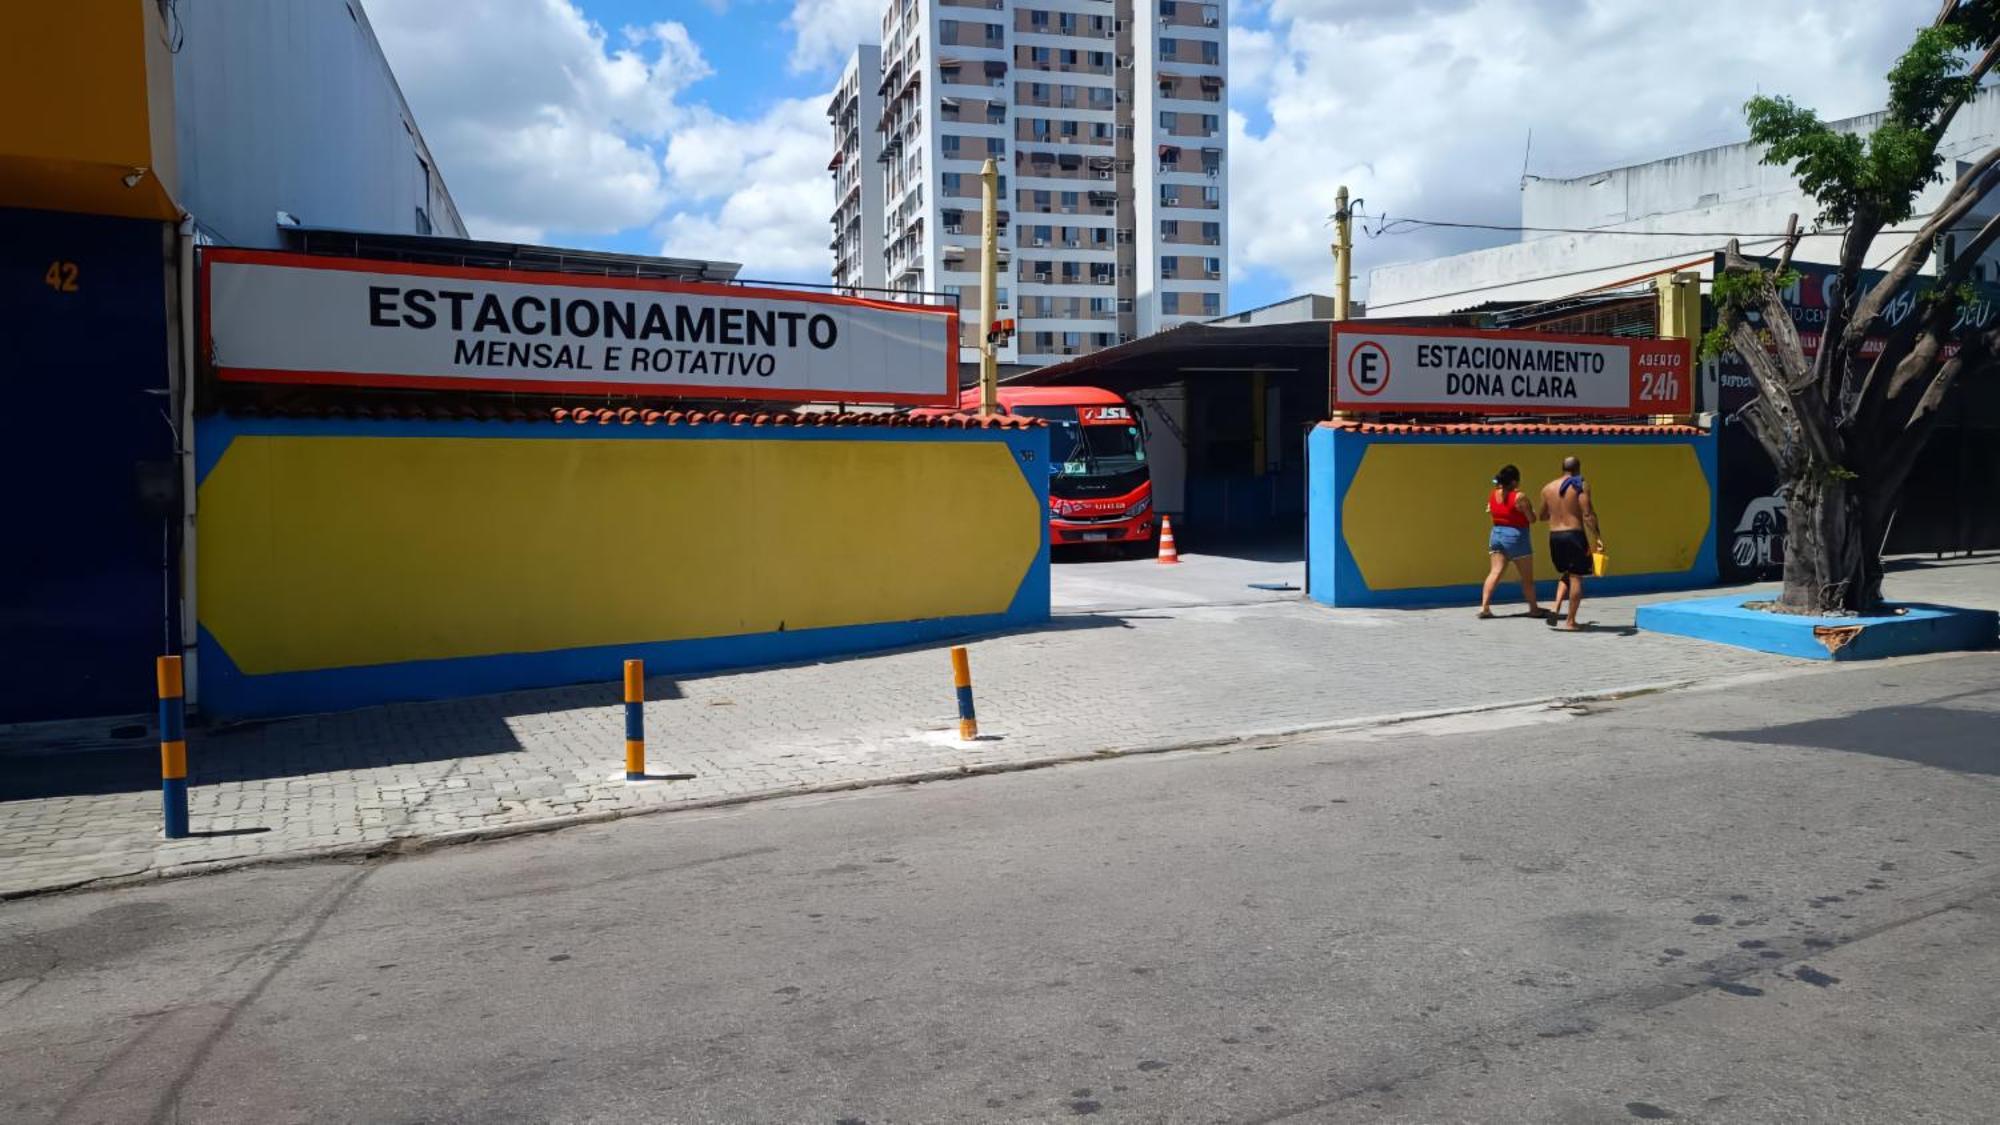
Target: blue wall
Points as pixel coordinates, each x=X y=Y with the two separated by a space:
x=83 y=609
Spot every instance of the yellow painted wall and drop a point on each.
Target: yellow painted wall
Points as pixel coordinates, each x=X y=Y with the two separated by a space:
x=1415 y=515
x=329 y=552
x=86 y=97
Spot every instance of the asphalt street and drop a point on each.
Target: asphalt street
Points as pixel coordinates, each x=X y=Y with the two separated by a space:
x=1776 y=901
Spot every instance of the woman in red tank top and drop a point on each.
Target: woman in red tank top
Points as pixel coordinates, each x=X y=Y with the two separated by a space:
x=1508 y=541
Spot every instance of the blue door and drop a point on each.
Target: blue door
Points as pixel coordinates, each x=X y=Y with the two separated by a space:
x=85 y=567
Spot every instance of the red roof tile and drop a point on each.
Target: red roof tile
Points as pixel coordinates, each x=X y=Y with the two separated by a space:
x=416 y=410
x=1577 y=429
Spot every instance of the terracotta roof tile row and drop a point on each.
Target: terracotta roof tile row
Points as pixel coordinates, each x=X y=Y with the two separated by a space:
x=415 y=410
x=1574 y=429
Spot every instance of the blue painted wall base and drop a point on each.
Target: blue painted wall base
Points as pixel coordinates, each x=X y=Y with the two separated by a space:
x=1918 y=629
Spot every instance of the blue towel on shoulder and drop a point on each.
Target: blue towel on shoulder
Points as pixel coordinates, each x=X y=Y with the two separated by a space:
x=1569 y=483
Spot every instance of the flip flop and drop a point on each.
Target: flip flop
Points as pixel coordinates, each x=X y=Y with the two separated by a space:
x=1485 y=615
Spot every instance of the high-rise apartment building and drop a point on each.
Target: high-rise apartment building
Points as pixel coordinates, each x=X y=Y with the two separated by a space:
x=856 y=113
x=1107 y=119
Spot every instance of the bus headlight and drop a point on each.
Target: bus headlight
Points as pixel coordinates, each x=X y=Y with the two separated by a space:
x=1139 y=509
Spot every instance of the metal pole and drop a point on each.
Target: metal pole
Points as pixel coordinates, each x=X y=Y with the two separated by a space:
x=635 y=720
x=989 y=281
x=173 y=748
x=1343 y=253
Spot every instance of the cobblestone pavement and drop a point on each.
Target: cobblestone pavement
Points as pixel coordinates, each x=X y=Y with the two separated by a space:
x=77 y=807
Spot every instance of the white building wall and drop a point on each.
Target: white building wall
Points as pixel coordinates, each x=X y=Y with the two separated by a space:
x=1691 y=203
x=855 y=113
x=292 y=107
x=1150 y=27
x=1130 y=303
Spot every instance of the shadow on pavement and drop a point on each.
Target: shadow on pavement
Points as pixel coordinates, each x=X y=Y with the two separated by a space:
x=1953 y=738
x=98 y=757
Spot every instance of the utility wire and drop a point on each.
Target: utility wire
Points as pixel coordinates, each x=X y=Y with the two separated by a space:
x=1406 y=226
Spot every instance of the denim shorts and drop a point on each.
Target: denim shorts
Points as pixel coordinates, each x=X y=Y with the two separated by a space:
x=1512 y=542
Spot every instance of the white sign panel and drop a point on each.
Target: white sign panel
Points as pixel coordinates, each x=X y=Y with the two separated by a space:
x=1396 y=369
x=292 y=318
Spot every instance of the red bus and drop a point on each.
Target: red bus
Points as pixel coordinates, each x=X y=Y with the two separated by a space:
x=1100 y=489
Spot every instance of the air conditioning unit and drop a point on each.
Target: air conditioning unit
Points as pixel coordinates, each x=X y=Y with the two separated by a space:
x=1104 y=175
x=953 y=228
x=1124 y=62
x=1041 y=242
x=1211 y=21
x=1041 y=277
x=1124 y=337
x=1212 y=172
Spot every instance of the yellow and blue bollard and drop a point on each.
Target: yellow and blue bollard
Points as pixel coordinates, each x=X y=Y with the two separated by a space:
x=635 y=720
x=173 y=747
x=961 y=677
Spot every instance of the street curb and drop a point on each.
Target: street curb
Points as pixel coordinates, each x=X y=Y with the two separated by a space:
x=1256 y=740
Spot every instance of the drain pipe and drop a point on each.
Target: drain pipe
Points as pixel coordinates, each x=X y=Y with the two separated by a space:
x=184 y=415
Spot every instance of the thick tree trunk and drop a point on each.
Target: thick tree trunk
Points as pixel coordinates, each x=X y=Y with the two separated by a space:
x=1827 y=552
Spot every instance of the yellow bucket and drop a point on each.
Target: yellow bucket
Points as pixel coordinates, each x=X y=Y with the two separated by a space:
x=1600 y=563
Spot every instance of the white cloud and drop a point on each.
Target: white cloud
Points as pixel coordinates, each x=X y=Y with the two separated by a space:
x=546 y=123
x=1422 y=108
x=766 y=189
x=537 y=120
x=827 y=31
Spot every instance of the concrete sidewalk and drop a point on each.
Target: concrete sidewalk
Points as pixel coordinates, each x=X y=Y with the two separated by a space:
x=1102 y=680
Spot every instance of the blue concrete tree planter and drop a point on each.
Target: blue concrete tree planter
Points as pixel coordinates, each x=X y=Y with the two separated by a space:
x=1912 y=629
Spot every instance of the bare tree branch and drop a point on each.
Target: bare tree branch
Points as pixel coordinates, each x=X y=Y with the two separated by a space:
x=1950 y=211
x=1895 y=368
x=1791 y=243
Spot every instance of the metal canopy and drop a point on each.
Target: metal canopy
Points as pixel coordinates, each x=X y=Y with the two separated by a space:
x=1194 y=351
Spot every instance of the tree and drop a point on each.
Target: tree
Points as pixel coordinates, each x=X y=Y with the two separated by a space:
x=1842 y=428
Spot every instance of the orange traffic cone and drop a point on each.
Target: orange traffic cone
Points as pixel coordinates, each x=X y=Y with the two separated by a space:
x=1167 y=552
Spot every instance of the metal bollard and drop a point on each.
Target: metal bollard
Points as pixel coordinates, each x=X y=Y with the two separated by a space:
x=173 y=747
x=635 y=720
x=961 y=677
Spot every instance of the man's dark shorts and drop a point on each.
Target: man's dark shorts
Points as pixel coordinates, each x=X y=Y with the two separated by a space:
x=1570 y=551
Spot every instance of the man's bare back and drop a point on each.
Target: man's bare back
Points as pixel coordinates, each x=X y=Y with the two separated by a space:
x=1565 y=510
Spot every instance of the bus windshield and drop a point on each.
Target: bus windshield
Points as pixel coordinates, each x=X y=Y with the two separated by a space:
x=1094 y=450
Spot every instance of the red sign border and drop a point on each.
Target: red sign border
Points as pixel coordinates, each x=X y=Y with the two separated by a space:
x=1683 y=405
x=946 y=396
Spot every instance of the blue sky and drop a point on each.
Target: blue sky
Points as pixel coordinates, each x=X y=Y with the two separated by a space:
x=697 y=127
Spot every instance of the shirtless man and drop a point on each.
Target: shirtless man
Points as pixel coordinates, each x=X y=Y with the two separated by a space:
x=1567 y=508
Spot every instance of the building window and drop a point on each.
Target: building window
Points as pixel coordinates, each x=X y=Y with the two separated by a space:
x=1169 y=48
x=951 y=183
x=1211 y=52
x=1210 y=123
x=1166 y=9
x=1038 y=54
x=1168 y=119
x=1168 y=196
x=951 y=144
x=993 y=34
x=1169 y=228
x=1211 y=233
x=1038 y=19
x=996 y=146
x=1212 y=196
x=1213 y=265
